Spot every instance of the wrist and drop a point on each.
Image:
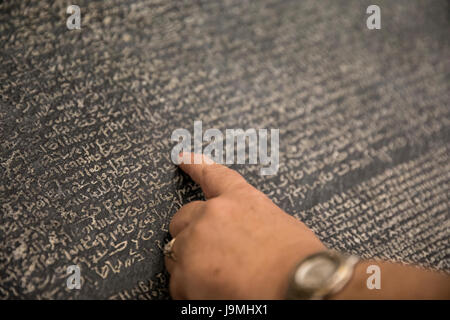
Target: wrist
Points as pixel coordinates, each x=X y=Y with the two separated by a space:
x=321 y=275
x=287 y=262
x=355 y=286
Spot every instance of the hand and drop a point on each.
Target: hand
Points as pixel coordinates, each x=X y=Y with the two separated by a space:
x=236 y=245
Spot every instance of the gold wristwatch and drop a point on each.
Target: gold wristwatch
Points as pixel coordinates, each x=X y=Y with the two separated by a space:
x=321 y=275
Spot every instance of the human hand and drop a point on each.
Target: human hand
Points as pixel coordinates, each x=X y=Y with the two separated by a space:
x=236 y=245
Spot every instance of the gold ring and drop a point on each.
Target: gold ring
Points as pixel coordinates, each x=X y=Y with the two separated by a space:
x=168 y=249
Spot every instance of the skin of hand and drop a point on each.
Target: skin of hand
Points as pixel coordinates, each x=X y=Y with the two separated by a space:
x=239 y=245
x=235 y=245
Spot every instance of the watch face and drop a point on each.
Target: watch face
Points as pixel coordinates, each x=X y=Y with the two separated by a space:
x=316 y=272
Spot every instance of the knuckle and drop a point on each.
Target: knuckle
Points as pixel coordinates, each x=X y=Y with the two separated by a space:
x=174 y=219
x=174 y=222
x=190 y=206
x=178 y=216
x=172 y=226
x=215 y=207
x=208 y=170
x=197 y=229
x=211 y=172
x=194 y=203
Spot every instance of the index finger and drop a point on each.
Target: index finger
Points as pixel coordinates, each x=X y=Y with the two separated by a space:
x=213 y=178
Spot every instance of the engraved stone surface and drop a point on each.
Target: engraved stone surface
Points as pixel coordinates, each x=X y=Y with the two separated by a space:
x=86 y=118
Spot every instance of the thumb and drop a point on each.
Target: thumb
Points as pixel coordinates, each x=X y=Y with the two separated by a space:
x=213 y=178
